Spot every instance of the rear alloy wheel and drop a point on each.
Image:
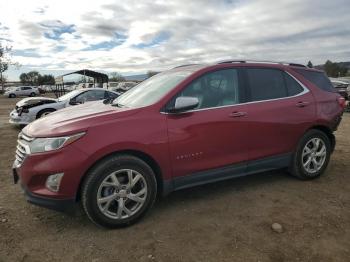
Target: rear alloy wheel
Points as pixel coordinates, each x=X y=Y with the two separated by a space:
x=312 y=155
x=118 y=191
x=32 y=94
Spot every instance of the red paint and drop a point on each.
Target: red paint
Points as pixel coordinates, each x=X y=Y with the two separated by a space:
x=180 y=144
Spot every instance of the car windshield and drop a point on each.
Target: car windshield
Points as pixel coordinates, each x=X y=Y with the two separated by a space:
x=151 y=90
x=69 y=95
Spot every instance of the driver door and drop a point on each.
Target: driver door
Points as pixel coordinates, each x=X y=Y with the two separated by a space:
x=211 y=137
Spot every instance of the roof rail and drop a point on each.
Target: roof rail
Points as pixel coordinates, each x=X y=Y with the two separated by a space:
x=259 y=61
x=184 y=65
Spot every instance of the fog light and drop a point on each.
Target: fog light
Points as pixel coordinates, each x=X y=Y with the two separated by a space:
x=53 y=182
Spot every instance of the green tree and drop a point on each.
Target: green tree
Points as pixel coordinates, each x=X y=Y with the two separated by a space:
x=310 y=65
x=116 y=77
x=46 y=80
x=335 y=69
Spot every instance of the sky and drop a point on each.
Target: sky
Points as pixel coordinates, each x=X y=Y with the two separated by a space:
x=135 y=36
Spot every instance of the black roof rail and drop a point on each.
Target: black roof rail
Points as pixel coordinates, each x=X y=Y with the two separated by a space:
x=184 y=65
x=259 y=61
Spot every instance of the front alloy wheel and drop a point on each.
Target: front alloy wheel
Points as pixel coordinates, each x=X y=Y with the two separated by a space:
x=122 y=193
x=118 y=191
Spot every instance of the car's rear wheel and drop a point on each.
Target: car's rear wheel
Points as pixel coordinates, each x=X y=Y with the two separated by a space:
x=12 y=95
x=118 y=191
x=32 y=94
x=312 y=155
x=44 y=112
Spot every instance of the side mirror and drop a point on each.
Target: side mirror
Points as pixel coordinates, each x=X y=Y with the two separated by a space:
x=73 y=102
x=184 y=103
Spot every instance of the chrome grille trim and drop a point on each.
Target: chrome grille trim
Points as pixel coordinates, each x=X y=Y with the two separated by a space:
x=22 y=149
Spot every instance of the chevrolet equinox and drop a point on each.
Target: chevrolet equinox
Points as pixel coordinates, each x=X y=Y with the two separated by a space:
x=184 y=127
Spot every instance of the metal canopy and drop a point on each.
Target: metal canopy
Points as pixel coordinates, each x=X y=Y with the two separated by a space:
x=100 y=77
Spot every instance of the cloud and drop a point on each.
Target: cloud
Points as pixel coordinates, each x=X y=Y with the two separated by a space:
x=136 y=36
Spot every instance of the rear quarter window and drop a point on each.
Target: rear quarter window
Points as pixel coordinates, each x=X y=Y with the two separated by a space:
x=317 y=78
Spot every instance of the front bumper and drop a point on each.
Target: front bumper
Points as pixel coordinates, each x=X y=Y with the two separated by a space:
x=32 y=174
x=16 y=119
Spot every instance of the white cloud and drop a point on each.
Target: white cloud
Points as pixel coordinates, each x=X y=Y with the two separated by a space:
x=136 y=36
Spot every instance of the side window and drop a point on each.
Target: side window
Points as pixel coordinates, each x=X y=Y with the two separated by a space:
x=266 y=84
x=219 y=88
x=317 y=78
x=91 y=95
x=293 y=87
x=110 y=95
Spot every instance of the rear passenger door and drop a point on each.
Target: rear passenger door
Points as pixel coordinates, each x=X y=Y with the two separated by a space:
x=279 y=111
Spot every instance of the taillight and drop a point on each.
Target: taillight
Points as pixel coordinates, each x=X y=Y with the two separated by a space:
x=342 y=102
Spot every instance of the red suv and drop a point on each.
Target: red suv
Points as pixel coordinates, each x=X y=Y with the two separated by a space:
x=186 y=126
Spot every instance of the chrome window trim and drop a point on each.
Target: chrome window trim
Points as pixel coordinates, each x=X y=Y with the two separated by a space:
x=305 y=91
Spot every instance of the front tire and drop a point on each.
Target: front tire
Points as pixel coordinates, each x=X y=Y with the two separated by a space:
x=118 y=191
x=312 y=155
x=12 y=95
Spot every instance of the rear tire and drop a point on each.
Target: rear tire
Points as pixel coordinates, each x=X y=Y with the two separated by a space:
x=32 y=94
x=312 y=155
x=44 y=112
x=118 y=191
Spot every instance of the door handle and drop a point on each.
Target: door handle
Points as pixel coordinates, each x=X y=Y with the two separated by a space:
x=238 y=114
x=302 y=104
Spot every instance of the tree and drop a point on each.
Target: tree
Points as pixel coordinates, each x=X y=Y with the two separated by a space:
x=5 y=62
x=335 y=69
x=35 y=78
x=151 y=73
x=116 y=77
x=310 y=65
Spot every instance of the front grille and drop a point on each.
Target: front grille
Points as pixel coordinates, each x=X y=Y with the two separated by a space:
x=22 y=149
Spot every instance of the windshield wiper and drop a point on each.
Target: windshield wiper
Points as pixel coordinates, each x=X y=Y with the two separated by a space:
x=118 y=105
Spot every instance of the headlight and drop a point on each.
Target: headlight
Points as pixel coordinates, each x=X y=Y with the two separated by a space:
x=39 y=145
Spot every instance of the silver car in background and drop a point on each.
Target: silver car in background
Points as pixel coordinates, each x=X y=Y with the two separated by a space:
x=29 y=109
x=21 y=91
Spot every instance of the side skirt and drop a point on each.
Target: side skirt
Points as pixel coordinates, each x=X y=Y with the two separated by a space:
x=228 y=172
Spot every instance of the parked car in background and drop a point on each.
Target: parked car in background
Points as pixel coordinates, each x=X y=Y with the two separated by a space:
x=342 y=87
x=22 y=91
x=29 y=109
x=184 y=127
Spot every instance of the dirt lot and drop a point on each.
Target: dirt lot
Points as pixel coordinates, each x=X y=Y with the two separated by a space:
x=227 y=221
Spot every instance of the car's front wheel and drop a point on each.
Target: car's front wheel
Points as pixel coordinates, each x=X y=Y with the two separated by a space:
x=12 y=95
x=312 y=155
x=118 y=191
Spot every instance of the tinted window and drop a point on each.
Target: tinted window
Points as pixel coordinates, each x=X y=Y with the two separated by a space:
x=214 y=89
x=317 y=78
x=91 y=95
x=266 y=84
x=293 y=87
x=111 y=95
x=26 y=88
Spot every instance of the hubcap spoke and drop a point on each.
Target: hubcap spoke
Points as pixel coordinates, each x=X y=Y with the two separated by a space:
x=314 y=155
x=122 y=194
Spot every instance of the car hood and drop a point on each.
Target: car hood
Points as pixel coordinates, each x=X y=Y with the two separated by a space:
x=33 y=101
x=76 y=119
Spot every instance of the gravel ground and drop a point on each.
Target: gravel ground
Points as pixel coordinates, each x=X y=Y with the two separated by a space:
x=226 y=221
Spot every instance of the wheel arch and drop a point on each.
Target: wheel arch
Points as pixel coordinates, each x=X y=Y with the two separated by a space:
x=136 y=153
x=44 y=109
x=326 y=130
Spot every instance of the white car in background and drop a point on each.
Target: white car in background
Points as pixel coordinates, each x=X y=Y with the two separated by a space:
x=29 y=109
x=22 y=91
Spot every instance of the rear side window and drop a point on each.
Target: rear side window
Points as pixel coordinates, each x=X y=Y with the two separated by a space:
x=266 y=84
x=293 y=87
x=317 y=78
